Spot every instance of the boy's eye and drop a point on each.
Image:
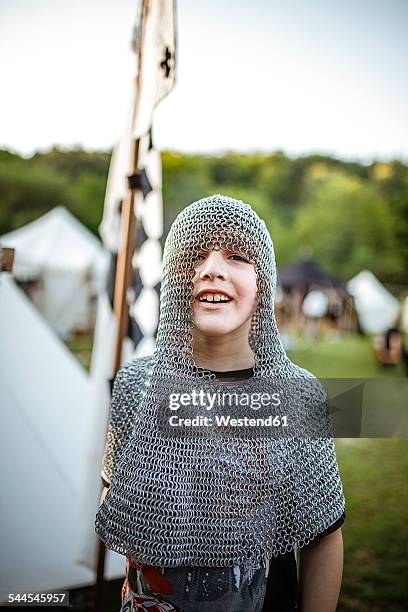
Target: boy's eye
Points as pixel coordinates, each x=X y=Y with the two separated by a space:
x=240 y=258
x=201 y=257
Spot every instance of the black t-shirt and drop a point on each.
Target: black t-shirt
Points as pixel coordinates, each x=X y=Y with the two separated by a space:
x=282 y=584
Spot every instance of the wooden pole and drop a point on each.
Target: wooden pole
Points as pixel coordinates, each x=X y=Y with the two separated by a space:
x=123 y=279
x=6 y=259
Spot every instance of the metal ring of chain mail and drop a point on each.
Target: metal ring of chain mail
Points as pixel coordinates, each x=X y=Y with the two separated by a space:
x=212 y=501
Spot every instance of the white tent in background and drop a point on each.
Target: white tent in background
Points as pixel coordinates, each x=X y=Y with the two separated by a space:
x=67 y=259
x=377 y=308
x=315 y=304
x=45 y=409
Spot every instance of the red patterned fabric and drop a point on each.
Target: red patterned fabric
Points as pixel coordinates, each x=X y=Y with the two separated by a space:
x=153 y=578
x=144 y=603
x=156 y=583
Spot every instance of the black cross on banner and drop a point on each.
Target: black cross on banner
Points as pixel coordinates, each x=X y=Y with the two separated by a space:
x=165 y=63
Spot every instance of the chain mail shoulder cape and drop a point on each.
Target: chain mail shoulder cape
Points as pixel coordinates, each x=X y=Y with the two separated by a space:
x=211 y=500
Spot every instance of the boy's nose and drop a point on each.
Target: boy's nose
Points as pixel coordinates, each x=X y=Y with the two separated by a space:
x=214 y=266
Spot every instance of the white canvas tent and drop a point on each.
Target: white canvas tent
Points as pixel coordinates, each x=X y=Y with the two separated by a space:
x=44 y=450
x=67 y=259
x=377 y=308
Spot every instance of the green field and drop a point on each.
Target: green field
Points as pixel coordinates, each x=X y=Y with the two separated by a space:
x=350 y=357
x=81 y=346
x=374 y=474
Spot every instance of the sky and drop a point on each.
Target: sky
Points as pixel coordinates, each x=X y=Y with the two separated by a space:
x=301 y=76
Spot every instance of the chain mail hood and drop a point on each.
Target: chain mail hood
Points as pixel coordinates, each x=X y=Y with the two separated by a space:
x=211 y=500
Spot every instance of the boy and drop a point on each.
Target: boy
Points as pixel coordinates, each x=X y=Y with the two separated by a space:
x=202 y=518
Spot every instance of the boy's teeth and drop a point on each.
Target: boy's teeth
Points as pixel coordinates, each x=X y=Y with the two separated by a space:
x=214 y=297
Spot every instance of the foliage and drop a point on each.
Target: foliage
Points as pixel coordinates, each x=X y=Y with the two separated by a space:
x=31 y=187
x=347 y=215
x=28 y=191
x=348 y=224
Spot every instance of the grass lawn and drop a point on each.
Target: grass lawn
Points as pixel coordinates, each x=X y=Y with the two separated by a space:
x=81 y=346
x=350 y=357
x=374 y=474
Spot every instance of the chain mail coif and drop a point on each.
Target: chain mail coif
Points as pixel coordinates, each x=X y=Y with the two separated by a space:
x=211 y=501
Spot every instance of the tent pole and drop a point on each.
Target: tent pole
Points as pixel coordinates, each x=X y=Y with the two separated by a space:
x=123 y=280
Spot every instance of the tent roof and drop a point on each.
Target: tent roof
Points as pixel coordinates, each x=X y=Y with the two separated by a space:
x=57 y=240
x=306 y=272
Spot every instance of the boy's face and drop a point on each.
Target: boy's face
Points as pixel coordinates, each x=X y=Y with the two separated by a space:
x=224 y=290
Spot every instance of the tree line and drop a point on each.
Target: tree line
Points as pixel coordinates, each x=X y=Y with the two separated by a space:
x=346 y=215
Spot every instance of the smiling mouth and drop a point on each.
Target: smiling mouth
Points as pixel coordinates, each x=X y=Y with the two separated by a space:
x=214 y=299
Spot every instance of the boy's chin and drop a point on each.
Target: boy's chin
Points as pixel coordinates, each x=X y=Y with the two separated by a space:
x=215 y=329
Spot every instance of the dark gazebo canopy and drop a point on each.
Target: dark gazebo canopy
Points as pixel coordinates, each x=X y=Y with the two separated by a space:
x=306 y=273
